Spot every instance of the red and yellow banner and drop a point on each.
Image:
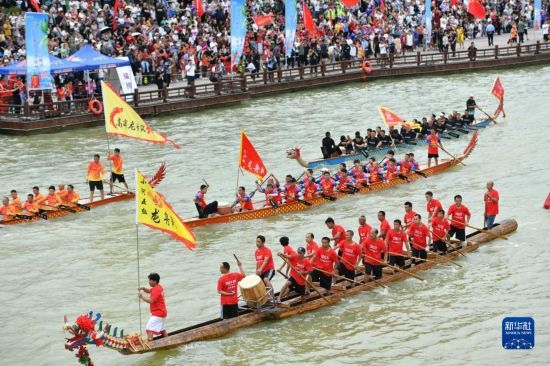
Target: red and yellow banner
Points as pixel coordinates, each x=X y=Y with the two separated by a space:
x=249 y=159
x=498 y=92
x=389 y=117
x=262 y=20
x=153 y=211
x=123 y=120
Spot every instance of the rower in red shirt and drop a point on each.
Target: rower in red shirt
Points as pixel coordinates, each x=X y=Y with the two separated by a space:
x=272 y=195
x=392 y=170
x=292 y=191
x=6 y=210
x=373 y=248
x=409 y=215
x=420 y=237
x=243 y=200
x=52 y=201
x=16 y=203
x=358 y=174
x=376 y=173
x=227 y=288
x=384 y=224
x=157 y=306
x=311 y=246
x=459 y=216
x=296 y=280
x=364 y=229
x=311 y=189
x=338 y=232
x=345 y=181
x=395 y=238
x=491 y=199
x=440 y=228
x=265 y=267
x=287 y=251
x=432 y=205
x=433 y=147
x=325 y=259
x=61 y=191
x=406 y=165
x=327 y=184
x=71 y=198
x=350 y=257
x=39 y=198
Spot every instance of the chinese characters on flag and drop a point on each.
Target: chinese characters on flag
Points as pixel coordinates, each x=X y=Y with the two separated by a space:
x=389 y=117
x=498 y=92
x=153 y=211
x=123 y=120
x=249 y=159
x=262 y=20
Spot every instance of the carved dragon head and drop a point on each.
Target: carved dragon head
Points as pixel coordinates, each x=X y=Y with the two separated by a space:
x=293 y=153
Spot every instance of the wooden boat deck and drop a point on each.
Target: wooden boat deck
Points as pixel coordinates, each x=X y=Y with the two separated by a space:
x=217 y=327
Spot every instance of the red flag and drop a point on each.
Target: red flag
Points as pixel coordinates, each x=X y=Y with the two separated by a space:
x=476 y=9
x=389 y=117
x=350 y=3
x=383 y=7
x=262 y=20
x=35 y=6
x=308 y=20
x=199 y=7
x=453 y=2
x=498 y=92
x=115 y=12
x=249 y=159
x=373 y=15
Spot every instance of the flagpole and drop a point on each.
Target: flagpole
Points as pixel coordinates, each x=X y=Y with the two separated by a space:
x=108 y=142
x=137 y=251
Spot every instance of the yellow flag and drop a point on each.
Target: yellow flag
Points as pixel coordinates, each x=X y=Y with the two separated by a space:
x=152 y=210
x=123 y=120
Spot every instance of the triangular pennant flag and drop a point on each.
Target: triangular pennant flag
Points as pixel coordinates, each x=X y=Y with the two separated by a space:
x=389 y=117
x=262 y=20
x=152 y=210
x=199 y=7
x=308 y=21
x=498 y=92
x=249 y=159
x=476 y=9
x=123 y=120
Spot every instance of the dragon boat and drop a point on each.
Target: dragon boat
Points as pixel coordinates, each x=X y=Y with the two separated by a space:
x=382 y=151
x=82 y=205
x=90 y=329
x=261 y=212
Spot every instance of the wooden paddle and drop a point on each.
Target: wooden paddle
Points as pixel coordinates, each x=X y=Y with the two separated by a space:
x=87 y=208
x=488 y=116
x=482 y=230
x=282 y=274
x=306 y=280
x=61 y=207
x=398 y=269
x=261 y=184
x=342 y=277
x=451 y=155
x=447 y=242
x=420 y=173
x=328 y=197
x=428 y=260
x=363 y=272
x=237 y=259
x=420 y=259
x=303 y=202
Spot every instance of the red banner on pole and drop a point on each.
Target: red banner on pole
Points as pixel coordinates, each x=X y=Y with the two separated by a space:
x=249 y=159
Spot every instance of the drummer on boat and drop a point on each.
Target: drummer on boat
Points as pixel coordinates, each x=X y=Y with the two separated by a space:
x=205 y=210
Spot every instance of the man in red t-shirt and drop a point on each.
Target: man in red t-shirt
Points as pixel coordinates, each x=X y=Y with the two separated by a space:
x=265 y=267
x=491 y=199
x=433 y=141
x=432 y=205
x=338 y=232
x=408 y=218
x=459 y=216
x=395 y=238
x=373 y=247
x=227 y=288
x=325 y=258
x=384 y=224
x=311 y=246
x=419 y=236
x=440 y=228
x=350 y=257
x=157 y=306
x=364 y=229
x=287 y=250
x=301 y=268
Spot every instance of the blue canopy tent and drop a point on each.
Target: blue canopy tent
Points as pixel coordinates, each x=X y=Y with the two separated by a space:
x=57 y=66
x=94 y=60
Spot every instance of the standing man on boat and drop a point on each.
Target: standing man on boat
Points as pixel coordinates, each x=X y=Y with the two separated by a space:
x=432 y=205
x=227 y=288
x=471 y=108
x=459 y=216
x=288 y=251
x=419 y=236
x=384 y=224
x=373 y=248
x=433 y=141
x=204 y=209
x=117 y=172
x=337 y=231
x=329 y=146
x=157 y=306
x=395 y=238
x=440 y=228
x=364 y=229
x=325 y=259
x=265 y=267
x=491 y=199
x=94 y=177
x=350 y=257
x=408 y=218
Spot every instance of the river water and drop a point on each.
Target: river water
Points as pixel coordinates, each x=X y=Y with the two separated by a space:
x=88 y=261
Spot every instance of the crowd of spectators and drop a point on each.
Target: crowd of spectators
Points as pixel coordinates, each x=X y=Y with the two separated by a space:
x=166 y=40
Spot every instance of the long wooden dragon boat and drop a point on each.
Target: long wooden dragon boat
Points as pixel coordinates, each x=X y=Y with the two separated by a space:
x=91 y=330
x=382 y=151
x=262 y=212
x=83 y=204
